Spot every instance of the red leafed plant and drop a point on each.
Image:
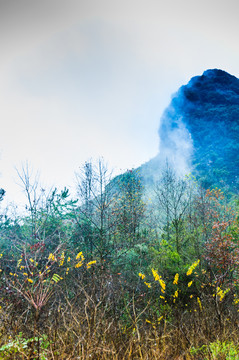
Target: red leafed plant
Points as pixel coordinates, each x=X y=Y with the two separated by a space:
x=221 y=249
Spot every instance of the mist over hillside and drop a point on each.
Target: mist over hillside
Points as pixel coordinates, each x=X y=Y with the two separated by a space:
x=199 y=131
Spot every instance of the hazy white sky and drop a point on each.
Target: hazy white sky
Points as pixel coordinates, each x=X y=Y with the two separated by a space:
x=81 y=79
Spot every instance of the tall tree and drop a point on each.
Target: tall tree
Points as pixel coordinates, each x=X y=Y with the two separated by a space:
x=173 y=196
x=130 y=208
x=94 y=215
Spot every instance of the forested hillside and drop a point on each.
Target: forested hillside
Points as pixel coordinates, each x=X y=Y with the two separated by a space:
x=141 y=266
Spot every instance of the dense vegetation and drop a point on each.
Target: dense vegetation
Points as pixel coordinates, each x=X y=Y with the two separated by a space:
x=115 y=274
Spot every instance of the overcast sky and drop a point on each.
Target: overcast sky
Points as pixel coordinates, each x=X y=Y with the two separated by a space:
x=83 y=79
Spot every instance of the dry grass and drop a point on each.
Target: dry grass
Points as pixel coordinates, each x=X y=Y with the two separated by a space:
x=85 y=328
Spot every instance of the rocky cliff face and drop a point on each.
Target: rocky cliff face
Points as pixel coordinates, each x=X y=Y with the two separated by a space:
x=199 y=131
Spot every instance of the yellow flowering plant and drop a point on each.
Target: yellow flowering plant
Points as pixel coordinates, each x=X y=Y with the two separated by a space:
x=37 y=273
x=193 y=267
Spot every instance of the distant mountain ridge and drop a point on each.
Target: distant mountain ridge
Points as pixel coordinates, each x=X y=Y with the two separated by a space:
x=199 y=131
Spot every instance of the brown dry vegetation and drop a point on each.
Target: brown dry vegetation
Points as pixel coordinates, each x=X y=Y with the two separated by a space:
x=85 y=322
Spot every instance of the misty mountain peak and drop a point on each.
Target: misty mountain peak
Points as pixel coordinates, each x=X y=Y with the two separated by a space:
x=215 y=74
x=214 y=86
x=199 y=130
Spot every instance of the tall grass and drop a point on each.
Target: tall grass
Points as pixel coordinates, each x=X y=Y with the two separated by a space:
x=72 y=310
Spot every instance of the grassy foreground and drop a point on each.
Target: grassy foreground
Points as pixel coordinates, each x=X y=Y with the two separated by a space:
x=75 y=310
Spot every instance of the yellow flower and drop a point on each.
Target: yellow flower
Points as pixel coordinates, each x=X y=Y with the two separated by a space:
x=221 y=293
x=62 y=258
x=175 y=281
x=190 y=283
x=193 y=267
x=199 y=303
x=155 y=274
x=19 y=262
x=90 y=263
x=79 y=264
x=51 y=257
x=147 y=284
x=162 y=284
x=30 y=281
x=159 y=279
x=142 y=276
x=236 y=301
x=80 y=255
